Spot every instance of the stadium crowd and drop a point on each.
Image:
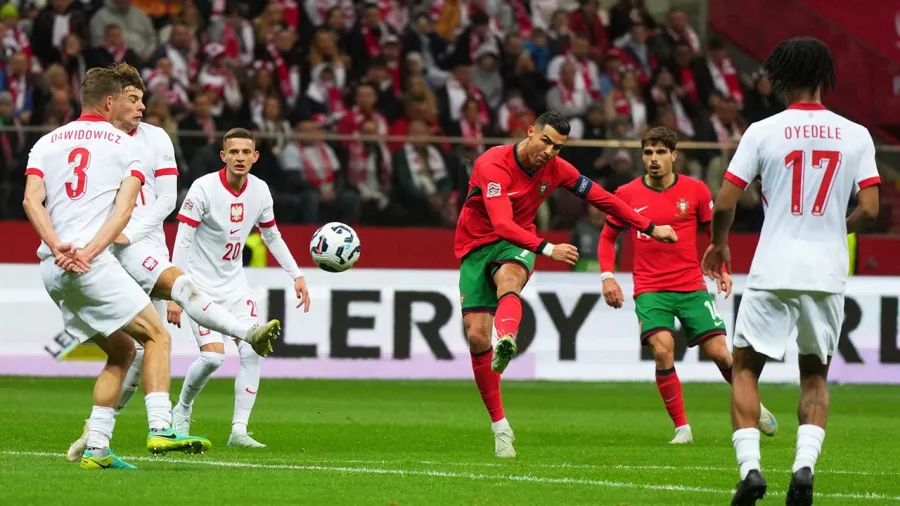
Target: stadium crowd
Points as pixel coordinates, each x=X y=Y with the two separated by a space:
x=467 y=68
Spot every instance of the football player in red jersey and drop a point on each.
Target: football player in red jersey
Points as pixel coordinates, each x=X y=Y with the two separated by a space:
x=668 y=282
x=496 y=242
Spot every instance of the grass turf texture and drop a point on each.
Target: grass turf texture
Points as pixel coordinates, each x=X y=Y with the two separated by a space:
x=421 y=443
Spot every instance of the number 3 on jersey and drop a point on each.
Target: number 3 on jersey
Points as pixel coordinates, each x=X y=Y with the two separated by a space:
x=79 y=161
x=795 y=161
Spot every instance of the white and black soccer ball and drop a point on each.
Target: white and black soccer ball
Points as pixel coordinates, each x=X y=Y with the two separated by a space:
x=334 y=247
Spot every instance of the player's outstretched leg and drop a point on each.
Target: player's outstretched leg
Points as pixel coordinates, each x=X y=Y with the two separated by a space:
x=663 y=346
x=210 y=359
x=748 y=365
x=119 y=349
x=509 y=279
x=716 y=348
x=246 y=385
x=812 y=415
x=147 y=329
x=175 y=285
x=478 y=331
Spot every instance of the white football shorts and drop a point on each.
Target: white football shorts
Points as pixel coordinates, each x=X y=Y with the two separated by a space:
x=242 y=306
x=100 y=301
x=768 y=319
x=144 y=261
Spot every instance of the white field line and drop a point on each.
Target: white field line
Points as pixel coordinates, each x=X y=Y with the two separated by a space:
x=449 y=474
x=595 y=466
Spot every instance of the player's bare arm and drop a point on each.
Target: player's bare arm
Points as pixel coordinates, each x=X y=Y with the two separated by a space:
x=716 y=261
x=35 y=195
x=866 y=211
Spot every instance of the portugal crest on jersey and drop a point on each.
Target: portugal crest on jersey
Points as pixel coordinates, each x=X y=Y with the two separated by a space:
x=543 y=187
x=237 y=212
x=682 y=207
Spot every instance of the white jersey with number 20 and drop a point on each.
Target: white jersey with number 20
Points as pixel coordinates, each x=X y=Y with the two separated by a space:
x=810 y=161
x=83 y=163
x=224 y=219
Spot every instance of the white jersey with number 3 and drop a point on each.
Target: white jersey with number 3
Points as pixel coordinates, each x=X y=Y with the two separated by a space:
x=223 y=218
x=810 y=161
x=83 y=163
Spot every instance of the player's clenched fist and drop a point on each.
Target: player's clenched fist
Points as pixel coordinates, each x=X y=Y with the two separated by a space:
x=565 y=253
x=612 y=293
x=664 y=233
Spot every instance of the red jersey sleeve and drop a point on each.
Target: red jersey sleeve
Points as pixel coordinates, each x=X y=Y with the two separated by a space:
x=494 y=183
x=704 y=204
x=612 y=220
x=581 y=186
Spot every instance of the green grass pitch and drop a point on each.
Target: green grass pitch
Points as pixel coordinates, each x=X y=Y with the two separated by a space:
x=429 y=443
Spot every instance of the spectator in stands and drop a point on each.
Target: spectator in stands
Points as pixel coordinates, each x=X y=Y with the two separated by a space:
x=139 y=34
x=721 y=74
x=592 y=161
x=514 y=113
x=391 y=56
x=199 y=120
x=470 y=127
x=560 y=33
x=162 y=82
x=625 y=14
x=297 y=199
x=423 y=179
x=54 y=22
x=73 y=59
x=637 y=53
x=586 y=236
x=587 y=74
x=371 y=174
x=587 y=22
x=282 y=52
x=665 y=93
x=336 y=23
x=325 y=52
x=724 y=126
x=321 y=12
x=158 y=107
x=275 y=129
x=415 y=109
x=55 y=96
x=11 y=143
x=569 y=100
x=15 y=36
x=364 y=41
x=236 y=34
x=363 y=109
x=261 y=85
x=627 y=101
x=622 y=171
x=270 y=21
x=113 y=50
x=539 y=52
x=180 y=50
x=20 y=84
x=421 y=38
x=473 y=38
x=218 y=78
x=761 y=101
x=678 y=30
x=486 y=76
x=325 y=99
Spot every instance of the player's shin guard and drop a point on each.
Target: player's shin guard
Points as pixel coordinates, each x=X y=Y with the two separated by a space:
x=201 y=308
x=132 y=378
x=488 y=383
x=670 y=389
x=508 y=315
x=246 y=384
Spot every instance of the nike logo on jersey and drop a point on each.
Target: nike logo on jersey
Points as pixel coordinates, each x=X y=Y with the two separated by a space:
x=512 y=193
x=234 y=231
x=251 y=392
x=207 y=306
x=639 y=209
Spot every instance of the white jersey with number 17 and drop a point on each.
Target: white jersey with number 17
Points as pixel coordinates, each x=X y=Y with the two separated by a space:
x=810 y=161
x=223 y=218
x=83 y=163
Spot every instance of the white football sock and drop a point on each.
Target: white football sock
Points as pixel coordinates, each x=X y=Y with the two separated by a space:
x=809 y=445
x=159 y=410
x=501 y=424
x=203 y=310
x=132 y=378
x=101 y=427
x=198 y=375
x=246 y=384
x=746 y=446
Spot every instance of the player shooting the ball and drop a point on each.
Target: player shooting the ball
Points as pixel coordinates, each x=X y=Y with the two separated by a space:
x=496 y=242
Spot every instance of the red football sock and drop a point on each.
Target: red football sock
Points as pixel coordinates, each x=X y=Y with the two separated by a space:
x=488 y=384
x=726 y=373
x=670 y=388
x=508 y=315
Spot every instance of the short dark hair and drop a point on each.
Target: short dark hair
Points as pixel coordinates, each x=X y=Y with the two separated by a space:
x=129 y=76
x=660 y=135
x=238 y=133
x=99 y=83
x=554 y=120
x=800 y=62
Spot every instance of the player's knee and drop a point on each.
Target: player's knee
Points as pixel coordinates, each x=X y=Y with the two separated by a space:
x=479 y=337
x=510 y=278
x=717 y=351
x=120 y=350
x=212 y=360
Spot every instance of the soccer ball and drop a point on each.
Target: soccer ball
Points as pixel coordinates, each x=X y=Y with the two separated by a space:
x=334 y=247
